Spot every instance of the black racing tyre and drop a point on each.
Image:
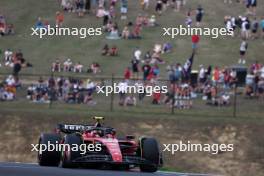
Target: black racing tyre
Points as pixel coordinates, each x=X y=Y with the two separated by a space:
x=49 y=158
x=150 y=151
x=68 y=156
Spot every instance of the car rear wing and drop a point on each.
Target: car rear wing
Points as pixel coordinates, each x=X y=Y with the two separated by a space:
x=70 y=128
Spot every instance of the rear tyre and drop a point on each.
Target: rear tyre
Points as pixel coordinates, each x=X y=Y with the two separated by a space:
x=68 y=156
x=49 y=158
x=150 y=152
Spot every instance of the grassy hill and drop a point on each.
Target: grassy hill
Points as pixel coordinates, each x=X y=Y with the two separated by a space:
x=42 y=52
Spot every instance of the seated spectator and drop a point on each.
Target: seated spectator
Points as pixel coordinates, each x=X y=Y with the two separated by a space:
x=224 y=99
x=136 y=33
x=113 y=51
x=78 y=68
x=10 y=81
x=67 y=5
x=108 y=27
x=56 y=66
x=249 y=92
x=155 y=58
x=67 y=65
x=105 y=50
x=46 y=24
x=130 y=101
x=125 y=33
x=90 y=86
x=214 y=97
x=88 y=99
x=147 y=57
x=10 y=29
x=260 y=91
x=113 y=35
x=167 y=48
x=152 y=22
x=7 y=93
x=39 y=93
x=95 y=68
x=186 y=96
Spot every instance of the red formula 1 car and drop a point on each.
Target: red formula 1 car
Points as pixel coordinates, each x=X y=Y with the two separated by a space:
x=96 y=145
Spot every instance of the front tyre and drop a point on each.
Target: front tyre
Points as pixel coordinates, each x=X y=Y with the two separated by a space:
x=150 y=152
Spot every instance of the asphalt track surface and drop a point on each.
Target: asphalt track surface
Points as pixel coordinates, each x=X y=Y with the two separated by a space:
x=28 y=169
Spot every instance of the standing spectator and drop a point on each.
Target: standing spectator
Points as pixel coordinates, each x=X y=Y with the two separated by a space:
x=262 y=26
x=195 y=41
x=145 y=4
x=164 y=4
x=146 y=68
x=251 y=6
x=2 y=25
x=88 y=5
x=159 y=7
x=178 y=4
x=199 y=15
x=178 y=72
x=255 y=26
x=127 y=73
x=188 y=20
x=135 y=67
x=80 y=7
x=156 y=98
x=59 y=19
x=245 y=28
x=137 y=54
x=8 y=57
x=243 y=49
x=216 y=75
x=202 y=75
x=124 y=7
